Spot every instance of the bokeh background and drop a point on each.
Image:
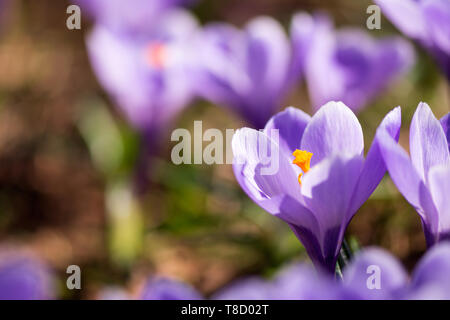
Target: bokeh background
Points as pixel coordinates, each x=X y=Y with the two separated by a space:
x=67 y=160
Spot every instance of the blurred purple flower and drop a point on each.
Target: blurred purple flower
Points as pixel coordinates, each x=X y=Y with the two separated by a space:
x=146 y=74
x=336 y=178
x=132 y=16
x=430 y=278
x=426 y=21
x=379 y=263
x=167 y=289
x=423 y=179
x=22 y=277
x=295 y=282
x=247 y=70
x=346 y=65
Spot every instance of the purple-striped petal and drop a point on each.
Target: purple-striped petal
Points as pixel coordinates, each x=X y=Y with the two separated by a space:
x=333 y=130
x=327 y=190
x=437 y=15
x=408 y=181
x=291 y=124
x=445 y=123
x=374 y=167
x=269 y=178
x=406 y=15
x=427 y=141
x=439 y=184
x=375 y=274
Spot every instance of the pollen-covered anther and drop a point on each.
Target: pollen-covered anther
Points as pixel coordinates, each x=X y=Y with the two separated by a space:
x=303 y=160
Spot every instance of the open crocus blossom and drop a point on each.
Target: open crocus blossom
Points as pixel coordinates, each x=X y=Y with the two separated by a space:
x=246 y=70
x=423 y=179
x=311 y=172
x=22 y=277
x=167 y=289
x=346 y=65
x=146 y=74
x=426 y=21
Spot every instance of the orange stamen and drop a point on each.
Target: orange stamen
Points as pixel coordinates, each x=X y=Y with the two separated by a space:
x=303 y=160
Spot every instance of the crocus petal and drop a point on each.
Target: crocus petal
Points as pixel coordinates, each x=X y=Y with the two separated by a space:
x=437 y=15
x=375 y=274
x=327 y=190
x=219 y=73
x=374 y=167
x=334 y=129
x=445 y=123
x=269 y=64
x=302 y=31
x=439 y=184
x=406 y=15
x=407 y=180
x=428 y=144
x=291 y=124
x=166 y=289
x=432 y=272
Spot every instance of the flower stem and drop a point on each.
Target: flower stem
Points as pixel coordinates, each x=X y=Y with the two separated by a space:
x=345 y=255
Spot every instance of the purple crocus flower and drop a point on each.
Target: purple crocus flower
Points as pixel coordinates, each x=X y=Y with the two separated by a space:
x=346 y=65
x=375 y=274
x=22 y=277
x=423 y=179
x=318 y=188
x=426 y=21
x=247 y=70
x=167 y=289
x=146 y=74
x=132 y=16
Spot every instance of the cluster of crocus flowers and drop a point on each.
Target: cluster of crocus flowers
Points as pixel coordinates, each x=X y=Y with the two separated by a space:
x=321 y=177
x=423 y=178
x=426 y=21
x=373 y=274
x=346 y=65
x=246 y=70
x=23 y=277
